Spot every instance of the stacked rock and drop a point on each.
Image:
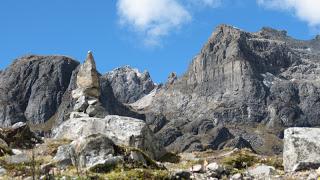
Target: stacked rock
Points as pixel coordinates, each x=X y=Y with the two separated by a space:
x=88 y=92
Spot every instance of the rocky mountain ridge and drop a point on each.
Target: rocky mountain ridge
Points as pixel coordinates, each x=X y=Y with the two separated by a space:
x=238 y=81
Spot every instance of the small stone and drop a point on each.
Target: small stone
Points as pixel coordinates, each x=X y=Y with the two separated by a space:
x=137 y=156
x=197 y=168
x=215 y=167
x=93 y=101
x=181 y=174
x=96 y=111
x=81 y=104
x=18 y=125
x=16 y=151
x=237 y=176
x=262 y=171
x=18 y=159
x=312 y=176
x=105 y=165
x=318 y=171
x=2 y=171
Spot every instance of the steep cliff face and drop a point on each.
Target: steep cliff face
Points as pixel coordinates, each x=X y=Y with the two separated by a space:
x=31 y=89
x=243 y=78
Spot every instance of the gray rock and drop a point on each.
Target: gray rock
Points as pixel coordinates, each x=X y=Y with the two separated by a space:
x=180 y=174
x=215 y=167
x=31 y=89
x=18 y=159
x=237 y=176
x=262 y=171
x=198 y=168
x=241 y=78
x=81 y=104
x=92 y=149
x=129 y=84
x=2 y=171
x=106 y=165
x=88 y=78
x=63 y=156
x=301 y=149
x=123 y=131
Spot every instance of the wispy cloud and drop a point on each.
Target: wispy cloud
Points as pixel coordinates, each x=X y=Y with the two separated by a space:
x=306 y=10
x=155 y=19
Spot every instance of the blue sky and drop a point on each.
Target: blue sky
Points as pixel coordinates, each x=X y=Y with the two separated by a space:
x=160 y=36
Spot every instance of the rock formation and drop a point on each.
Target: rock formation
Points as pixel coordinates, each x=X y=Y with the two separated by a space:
x=31 y=89
x=123 y=131
x=301 y=149
x=87 y=94
x=243 y=79
x=129 y=84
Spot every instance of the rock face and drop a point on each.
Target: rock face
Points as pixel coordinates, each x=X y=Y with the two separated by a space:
x=301 y=149
x=129 y=84
x=123 y=131
x=243 y=78
x=31 y=89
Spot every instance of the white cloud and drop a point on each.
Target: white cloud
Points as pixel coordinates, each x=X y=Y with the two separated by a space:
x=306 y=10
x=154 y=19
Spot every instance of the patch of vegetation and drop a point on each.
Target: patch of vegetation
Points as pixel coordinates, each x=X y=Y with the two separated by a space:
x=275 y=161
x=240 y=160
x=137 y=174
x=54 y=144
x=170 y=157
x=5 y=150
x=20 y=169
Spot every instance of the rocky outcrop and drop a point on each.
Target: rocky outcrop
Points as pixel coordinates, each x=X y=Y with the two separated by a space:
x=87 y=94
x=31 y=89
x=123 y=131
x=301 y=149
x=128 y=84
x=243 y=78
x=19 y=136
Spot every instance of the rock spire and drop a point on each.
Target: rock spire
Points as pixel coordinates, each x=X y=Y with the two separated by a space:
x=88 y=91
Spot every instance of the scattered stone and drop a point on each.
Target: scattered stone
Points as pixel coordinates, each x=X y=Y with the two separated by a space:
x=18 y=159
x=301 y=149
x=215 y=167
x=262 y=171
x=2 y=171
x=237 y=176
x=313 y=176
x=16 y=151
x=180 y=174
x=197 y=168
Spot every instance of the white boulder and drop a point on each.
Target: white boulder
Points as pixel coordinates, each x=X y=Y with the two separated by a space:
x=123 y=131
x=301 y=149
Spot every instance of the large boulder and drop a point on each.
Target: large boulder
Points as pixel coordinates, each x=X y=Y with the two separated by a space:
x=19 y=136
x=301 y=149
x=123 y=131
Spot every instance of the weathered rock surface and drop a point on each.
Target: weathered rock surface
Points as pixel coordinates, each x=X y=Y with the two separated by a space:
x=129 y=84
x=245 y=78
x=31 y=89
x=301 y=149
x=123 y=131
x=19 y=136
